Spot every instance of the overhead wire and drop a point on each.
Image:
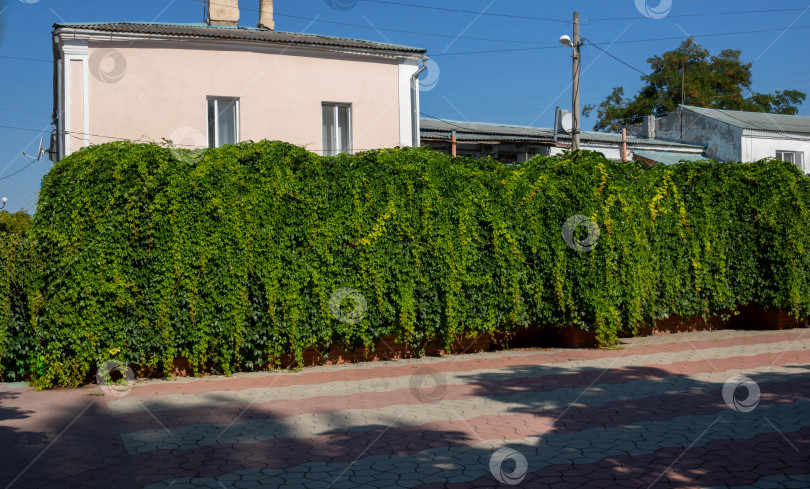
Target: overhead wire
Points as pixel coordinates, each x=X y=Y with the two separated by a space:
x=18 y=171
x=7 y=109
x=446 y=121
x=447 y=36
x=473 y=12
x=27 y=59
x=632 y=41
x=569 y=21
x=546 y=45
x=703 y=14
x=401 y=31
x=430 y=7
x=23 y=128
x=614 y=57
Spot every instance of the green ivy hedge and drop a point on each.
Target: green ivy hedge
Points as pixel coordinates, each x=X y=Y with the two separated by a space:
x=230 y=258
x=19 y=345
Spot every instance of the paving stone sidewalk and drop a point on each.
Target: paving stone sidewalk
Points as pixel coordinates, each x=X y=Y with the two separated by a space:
x=724 y=409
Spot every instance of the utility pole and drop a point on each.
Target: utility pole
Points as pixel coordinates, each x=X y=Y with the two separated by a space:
x=575 y=45
x=575 y=91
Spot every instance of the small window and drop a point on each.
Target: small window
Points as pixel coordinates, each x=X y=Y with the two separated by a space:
x=337 y=128
x=223 y=121
x=789 y=156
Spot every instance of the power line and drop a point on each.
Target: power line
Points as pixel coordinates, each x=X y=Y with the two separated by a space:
x=18 y=171
x=23 y=128
x=77 y=134
x=504 y=102
x=401 y=31
x=21 y=122
x=493 y=51
x=5 y=109
x=715 y=34
x=449 y=36
x=547 y=19
x=27 y=59
x=704 y=14
x=427 y=7
x=632 y=41
x=545 y=45
x=444 y=120
x=473 y=12
x=614 y=57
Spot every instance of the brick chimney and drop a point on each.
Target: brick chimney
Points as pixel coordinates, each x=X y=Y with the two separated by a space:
x=266 y=15
x=223 y=12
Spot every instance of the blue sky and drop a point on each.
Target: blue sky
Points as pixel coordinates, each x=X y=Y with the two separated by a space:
x=515 y=85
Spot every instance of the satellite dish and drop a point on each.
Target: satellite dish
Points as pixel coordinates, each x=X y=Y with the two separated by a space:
x=567 y=122
x=40 y=152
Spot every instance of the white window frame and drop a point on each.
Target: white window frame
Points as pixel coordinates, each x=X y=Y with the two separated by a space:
x=336 y=134
x=798 y=156
x=216 y=101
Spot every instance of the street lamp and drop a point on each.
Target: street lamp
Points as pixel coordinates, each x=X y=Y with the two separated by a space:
x=575 y=45
x=3 y=200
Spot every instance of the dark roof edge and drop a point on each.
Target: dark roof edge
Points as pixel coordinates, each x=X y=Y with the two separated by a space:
x=235 y=33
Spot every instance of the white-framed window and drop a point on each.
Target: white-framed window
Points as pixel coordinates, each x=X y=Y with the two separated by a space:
x=223 y=121
x=337 y=128
x=795 y=157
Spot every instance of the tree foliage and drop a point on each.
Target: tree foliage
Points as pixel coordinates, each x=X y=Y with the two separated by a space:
x=718 y=82
x=18 y=223
x=230 y=259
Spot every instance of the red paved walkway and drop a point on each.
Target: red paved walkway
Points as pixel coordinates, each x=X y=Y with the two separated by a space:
x=666 y=411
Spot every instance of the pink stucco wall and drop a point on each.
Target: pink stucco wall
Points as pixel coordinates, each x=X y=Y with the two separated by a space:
x=162 y=93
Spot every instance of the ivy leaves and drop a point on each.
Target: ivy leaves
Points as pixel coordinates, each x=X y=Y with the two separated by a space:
x=232 y=260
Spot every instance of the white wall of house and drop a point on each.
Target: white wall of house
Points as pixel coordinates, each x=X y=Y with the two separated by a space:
x=757 y=145
x=611 y=151
x=407 y=68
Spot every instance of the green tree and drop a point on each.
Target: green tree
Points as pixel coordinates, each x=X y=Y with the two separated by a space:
x=18 y=223
x=718 y=82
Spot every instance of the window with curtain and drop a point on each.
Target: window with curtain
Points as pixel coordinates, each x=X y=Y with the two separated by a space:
x=337 y=128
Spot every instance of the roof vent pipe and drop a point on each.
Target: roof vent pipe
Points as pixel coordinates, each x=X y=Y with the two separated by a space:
x=649 y=126
x=266 y=15
x=223 y=12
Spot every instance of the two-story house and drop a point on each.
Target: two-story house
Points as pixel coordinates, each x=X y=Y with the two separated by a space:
x=215 y=83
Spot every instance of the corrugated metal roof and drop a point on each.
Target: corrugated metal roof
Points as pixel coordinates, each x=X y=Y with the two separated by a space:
x=756 y=120
x=483 y=131
x=474 y=131
x=205 y=31
x=669 y=158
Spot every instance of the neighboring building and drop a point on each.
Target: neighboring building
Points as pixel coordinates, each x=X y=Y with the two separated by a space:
x=511 y=144
x=735 y=135
x=205 y=85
